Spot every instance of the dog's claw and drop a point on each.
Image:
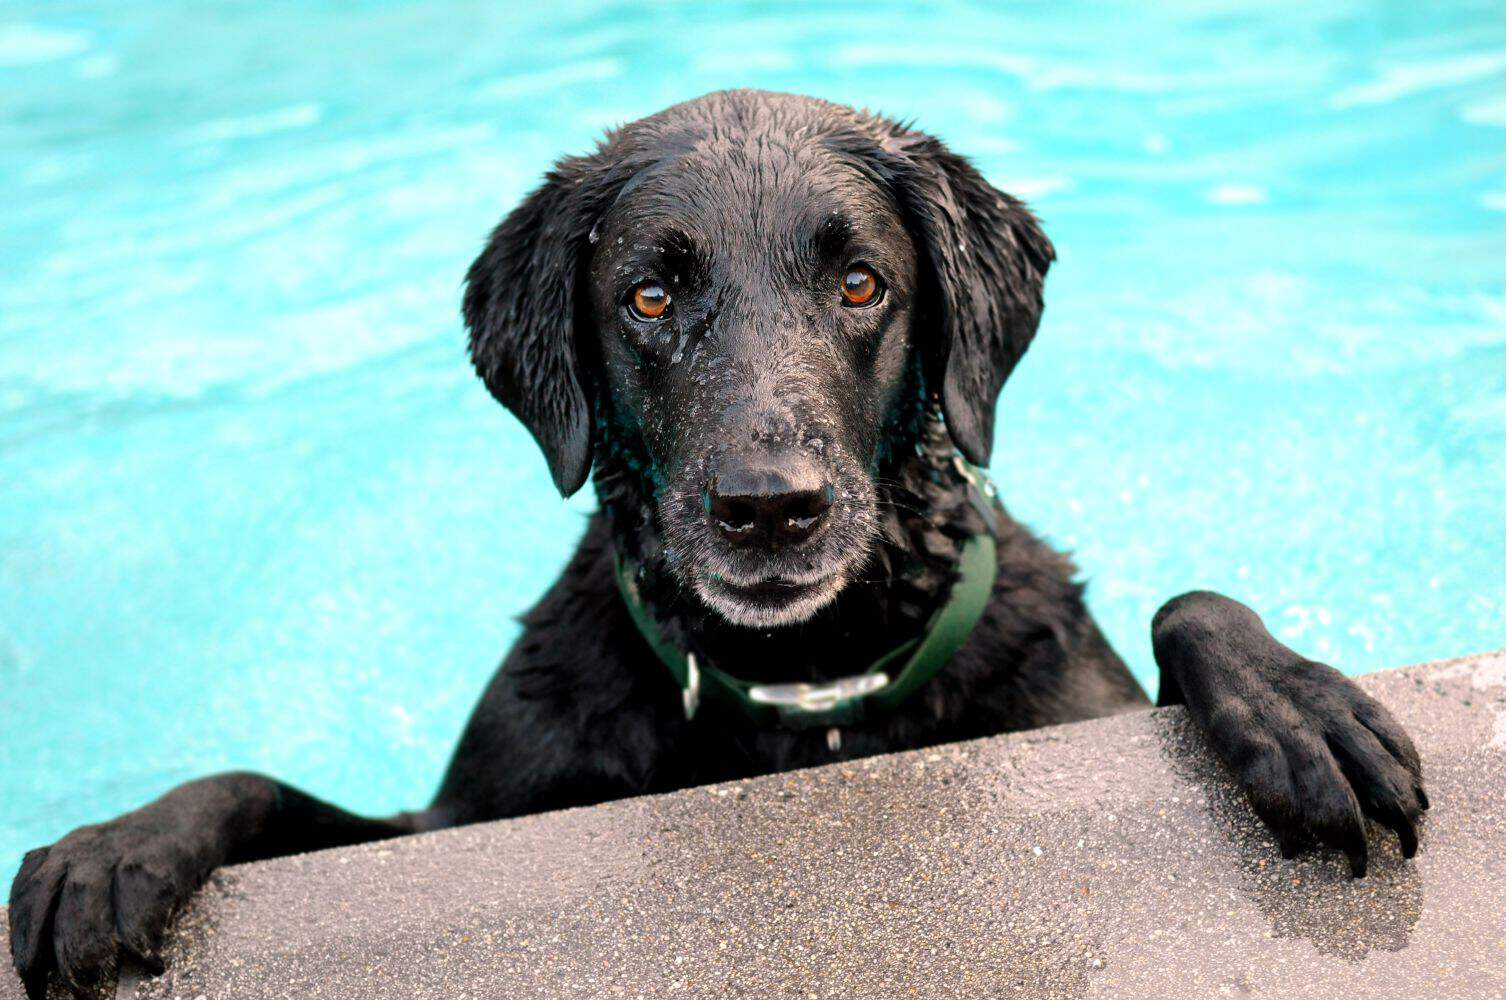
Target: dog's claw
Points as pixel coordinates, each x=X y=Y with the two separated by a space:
x=1291 y=844
x=1407 y=833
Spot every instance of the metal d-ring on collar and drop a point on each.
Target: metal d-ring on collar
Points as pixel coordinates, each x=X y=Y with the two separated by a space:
x=887 y=682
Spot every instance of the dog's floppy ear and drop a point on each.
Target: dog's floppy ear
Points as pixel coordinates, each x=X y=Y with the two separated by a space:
x=984 y=267
x=520 y=307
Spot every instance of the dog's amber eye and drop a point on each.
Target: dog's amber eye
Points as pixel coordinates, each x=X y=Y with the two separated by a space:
x=650 y=300
x=860 y=286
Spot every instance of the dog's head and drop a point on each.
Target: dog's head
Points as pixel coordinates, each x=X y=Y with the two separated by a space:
x=749 y=293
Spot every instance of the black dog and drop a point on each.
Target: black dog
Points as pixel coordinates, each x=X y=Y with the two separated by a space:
x=772 y=324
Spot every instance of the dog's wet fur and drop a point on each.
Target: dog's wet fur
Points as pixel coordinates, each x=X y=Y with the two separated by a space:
x=778 y=467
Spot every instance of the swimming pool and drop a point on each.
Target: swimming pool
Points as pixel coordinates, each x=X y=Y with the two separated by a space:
x=256 y=512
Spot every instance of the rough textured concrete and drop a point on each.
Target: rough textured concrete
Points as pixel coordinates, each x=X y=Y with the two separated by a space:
x=1109 y=858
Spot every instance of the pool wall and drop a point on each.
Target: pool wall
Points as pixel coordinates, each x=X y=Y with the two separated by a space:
x=1108 y=858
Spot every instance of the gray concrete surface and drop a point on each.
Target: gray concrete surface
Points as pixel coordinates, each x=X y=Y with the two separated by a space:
x=1109 y=858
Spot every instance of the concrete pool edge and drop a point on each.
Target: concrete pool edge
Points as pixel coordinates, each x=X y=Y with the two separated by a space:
x=1108 y=857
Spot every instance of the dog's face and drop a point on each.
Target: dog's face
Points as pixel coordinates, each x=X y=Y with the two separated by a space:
x=750 y=291
x=752 y=305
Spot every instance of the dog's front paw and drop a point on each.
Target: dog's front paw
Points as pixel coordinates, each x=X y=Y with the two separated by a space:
x=102 y=889
x=1316 y=754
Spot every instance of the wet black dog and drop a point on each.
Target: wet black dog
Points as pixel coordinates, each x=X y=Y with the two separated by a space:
x=771 y=324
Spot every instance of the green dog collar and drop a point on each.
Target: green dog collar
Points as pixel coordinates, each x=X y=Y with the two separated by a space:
x=886 y=683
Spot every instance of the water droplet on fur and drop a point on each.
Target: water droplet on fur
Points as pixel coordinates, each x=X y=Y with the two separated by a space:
x=595 y=234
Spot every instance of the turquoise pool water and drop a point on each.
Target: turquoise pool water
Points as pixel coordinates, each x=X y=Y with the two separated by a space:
x=255 y=511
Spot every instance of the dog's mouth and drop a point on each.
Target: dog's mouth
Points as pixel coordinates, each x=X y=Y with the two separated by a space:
x=772 y=592
x=768 y=602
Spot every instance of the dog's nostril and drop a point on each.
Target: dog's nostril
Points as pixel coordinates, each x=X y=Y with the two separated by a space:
x=803 y=508
x=735 y=515
x=799 y=515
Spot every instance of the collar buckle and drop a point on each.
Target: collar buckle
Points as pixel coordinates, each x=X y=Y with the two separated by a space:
x=817 y=698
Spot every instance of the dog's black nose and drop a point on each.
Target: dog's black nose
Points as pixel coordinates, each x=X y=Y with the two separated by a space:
x=768 y=506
